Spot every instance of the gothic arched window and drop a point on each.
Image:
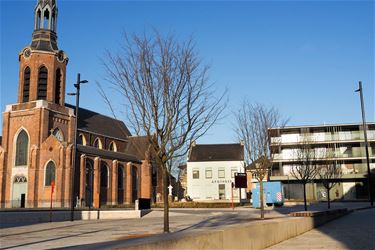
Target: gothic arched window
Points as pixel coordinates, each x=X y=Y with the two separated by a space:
x=120 y=177
x=103 y=175
x=112 y=146
x=38 y=18
x=42 y=83
x=82 y=139
x=22 y=145
x=46 y=19
x=26 y=85
x=97 y=143
x=50 y=173
x=58 y=86
x=58 y=134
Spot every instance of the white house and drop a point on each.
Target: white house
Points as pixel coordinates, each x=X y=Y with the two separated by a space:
x=211 y=169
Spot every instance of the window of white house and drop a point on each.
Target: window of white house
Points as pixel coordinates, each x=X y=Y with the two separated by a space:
x=208 y=173
x=221 y=173
x=233 y=171
x=221 y=191
x=195 y=174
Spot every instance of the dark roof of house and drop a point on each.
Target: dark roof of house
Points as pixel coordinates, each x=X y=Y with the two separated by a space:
x=217 y=152
x=138 y=146
x=107 y=154
x=100 y=124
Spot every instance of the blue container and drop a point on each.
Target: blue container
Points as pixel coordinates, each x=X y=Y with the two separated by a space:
x=273 y=194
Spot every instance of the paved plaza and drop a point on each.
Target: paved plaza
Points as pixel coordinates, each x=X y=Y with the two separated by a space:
x=99 y=234
x=354 y=231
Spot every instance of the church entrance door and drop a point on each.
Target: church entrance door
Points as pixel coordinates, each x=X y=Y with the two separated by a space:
x=19 y=191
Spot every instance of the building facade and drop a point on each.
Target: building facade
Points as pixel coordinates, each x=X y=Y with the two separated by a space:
x=210 y=172
x=341 y=144
x=36 y=151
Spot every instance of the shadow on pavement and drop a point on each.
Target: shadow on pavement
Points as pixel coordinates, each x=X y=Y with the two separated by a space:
x=52 y=239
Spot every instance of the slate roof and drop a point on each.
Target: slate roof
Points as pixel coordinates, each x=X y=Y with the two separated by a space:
x=217 y=152
x=100 y=124
x=137 y=145
x=45 y=40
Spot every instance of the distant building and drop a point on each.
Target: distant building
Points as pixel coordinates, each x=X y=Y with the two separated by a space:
x=343 y=143
x=182 y=180
x=211 y=169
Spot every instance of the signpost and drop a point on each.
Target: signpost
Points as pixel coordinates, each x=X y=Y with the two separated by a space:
x=232 y=196
x=240 y=180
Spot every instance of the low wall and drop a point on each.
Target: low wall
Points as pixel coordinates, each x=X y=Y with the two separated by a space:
x=10 y=217
x=252 y=235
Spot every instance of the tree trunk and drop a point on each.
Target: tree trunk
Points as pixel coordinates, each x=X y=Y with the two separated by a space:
x=329 y=199
x=165 y=199
x=304 y=196
x=261 y=198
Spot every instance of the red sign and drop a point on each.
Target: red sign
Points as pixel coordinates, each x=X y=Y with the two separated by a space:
x=240 y=180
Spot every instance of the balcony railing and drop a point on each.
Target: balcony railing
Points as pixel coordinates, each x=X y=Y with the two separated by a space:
x=347 y=169
x=324 y=137
x=355 y=152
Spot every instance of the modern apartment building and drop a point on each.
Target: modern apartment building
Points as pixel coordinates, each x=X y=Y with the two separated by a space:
x=341 y=144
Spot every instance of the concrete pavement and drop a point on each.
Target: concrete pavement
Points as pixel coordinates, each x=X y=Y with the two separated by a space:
x=79 y=233
x=354 y=231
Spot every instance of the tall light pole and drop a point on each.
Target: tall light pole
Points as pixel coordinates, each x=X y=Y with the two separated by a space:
x=366 y=144
x=72 y=180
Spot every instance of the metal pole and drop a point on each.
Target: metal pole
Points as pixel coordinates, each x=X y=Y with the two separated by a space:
x=77 y=86
x=232 y=196
x=366 y=144
x=240 y=196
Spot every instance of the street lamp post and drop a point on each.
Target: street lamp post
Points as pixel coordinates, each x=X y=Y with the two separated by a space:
x=72 y=181
x=366 y=144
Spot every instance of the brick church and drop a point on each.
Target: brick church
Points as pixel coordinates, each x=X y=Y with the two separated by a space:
x=37 y=144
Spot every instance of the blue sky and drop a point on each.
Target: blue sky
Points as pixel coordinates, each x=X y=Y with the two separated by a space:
x=304 y=57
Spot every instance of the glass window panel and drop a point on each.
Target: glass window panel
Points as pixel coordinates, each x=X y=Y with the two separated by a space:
x=222 y=173
x=195 y=174
x=22 y=148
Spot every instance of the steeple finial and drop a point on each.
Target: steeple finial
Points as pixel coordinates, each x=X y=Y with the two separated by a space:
x=45 y=15
x=44 y=35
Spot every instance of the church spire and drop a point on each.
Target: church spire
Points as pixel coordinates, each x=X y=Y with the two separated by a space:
x=42 y=64
x=44 y=35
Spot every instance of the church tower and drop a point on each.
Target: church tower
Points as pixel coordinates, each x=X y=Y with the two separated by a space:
x=42 y=64
x=37 y=136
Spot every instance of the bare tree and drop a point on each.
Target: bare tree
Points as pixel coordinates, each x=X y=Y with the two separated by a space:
x=330 y=171
x=167 y=94
x=252 y=124
x=306 y=168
